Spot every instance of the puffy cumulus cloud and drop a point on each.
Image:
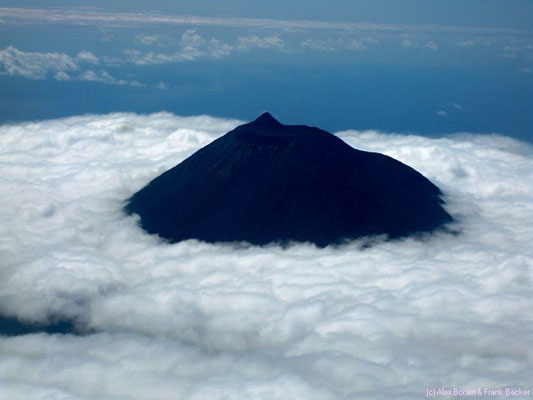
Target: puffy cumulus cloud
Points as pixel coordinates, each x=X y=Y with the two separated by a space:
x=193 y=45
x=204 y=321
x=59 y=66
x=35 y=65
x=146 y=31
x=87 y=57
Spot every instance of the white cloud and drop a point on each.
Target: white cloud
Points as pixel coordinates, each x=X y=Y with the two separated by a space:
x=355 y=44
x=192 y=46
x=117 y=19
x=466 y=43
x=62 y=76
x=200 y=321
x=219 y=49
x=448 y=108
x=147 y=40
x=87 y=57
x=139 y=58
x=510 y=51
x=104 y=77
x=335 y=44
x=432 y=45
x=320 y=44
x=371 y=40
x=408 y=43
x=59 y=66
x=192 y=38
x=34 y=65
x=257 y=33
x=247 y=42
x=161 y=85
x=517 y=49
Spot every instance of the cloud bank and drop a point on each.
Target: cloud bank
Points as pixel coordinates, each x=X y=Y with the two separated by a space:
x=59 y=66
x=36 y=65
x=131 y=40
x=200 y=321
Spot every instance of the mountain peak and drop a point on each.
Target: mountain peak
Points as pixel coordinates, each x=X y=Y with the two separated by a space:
x=266 y=119
x=265 y=182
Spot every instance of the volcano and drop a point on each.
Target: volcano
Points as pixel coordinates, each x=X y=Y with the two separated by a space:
x=266 y=182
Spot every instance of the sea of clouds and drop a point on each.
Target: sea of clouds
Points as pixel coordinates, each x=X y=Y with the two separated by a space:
x=203 y=321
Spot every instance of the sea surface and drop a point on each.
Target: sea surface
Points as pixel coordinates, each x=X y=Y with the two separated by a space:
x=427 y=100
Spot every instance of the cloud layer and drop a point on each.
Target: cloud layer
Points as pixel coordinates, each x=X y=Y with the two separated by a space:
x=80 y=15
x=122 y=48
x=199 y=321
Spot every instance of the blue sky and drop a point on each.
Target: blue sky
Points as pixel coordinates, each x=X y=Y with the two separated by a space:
x=429 y=67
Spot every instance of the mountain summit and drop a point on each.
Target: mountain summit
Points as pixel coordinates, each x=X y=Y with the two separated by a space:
x=267 y=119
x=266 y=182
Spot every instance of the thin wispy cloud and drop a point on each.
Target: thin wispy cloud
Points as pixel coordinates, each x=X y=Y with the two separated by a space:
x=338 y=44
x=408 y=43
x=118 y=19
x=104 y=77
x=466 y=43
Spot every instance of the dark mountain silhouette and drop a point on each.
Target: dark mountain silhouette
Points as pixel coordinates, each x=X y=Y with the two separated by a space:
x=268 y=182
